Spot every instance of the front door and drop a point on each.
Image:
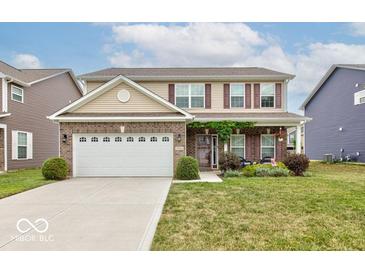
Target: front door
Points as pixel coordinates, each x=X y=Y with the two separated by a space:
x=204 y=150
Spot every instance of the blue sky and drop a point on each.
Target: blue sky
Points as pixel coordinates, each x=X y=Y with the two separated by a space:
x=304 y=49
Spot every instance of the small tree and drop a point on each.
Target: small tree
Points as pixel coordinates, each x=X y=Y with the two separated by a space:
x=297 y=163
x=229 y=161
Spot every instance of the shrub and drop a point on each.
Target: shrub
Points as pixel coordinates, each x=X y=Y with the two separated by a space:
x=187 y=168
x=279 y=172
x=232 y=173
x=272 y=172
x=230 y=161
x=249 y=171
x=262 y=172
x=307 y=174
x=55 y=169
x=297 y=163
x=281 y=165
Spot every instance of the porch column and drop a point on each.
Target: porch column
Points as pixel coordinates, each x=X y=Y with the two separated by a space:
x=298 y=140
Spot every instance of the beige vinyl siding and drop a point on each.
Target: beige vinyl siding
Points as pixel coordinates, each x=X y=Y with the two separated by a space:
x=109 y=103
x=161 y=88
x=93 y=85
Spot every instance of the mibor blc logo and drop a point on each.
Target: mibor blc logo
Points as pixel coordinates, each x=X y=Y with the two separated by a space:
x=24 y=225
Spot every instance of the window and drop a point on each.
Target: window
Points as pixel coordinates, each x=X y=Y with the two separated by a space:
x=106 y=139
x=267 y=146
x=237 y=92
x=130 y=139
x=238 y=145
x=94 y=139
x=153 y=139
x=141 y=139
x=82 y=139
x=118 y=139
x=190 y=95
x=165 y=139
x=359 y=97
x=267 y=95
x=17 y=94
x=22 y=143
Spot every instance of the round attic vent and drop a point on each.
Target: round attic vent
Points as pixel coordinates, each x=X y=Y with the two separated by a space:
x=124 y=96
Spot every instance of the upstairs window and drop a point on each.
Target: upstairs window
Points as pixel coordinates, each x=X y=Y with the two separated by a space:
x=237 y=93
x=190 y=95
x=267 y=95
x=17 y=94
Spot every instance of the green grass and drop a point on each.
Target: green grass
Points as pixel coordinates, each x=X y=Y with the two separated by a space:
x=14 y=182
x=322 y=212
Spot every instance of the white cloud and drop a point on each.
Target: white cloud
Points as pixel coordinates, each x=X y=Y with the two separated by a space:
x=227 y=44
x=29 y=61
x=357 y=29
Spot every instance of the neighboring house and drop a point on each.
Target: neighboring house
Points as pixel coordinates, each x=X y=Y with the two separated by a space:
x=292 y=137
x=134 y=121
x=27 y=97
x=337 y=106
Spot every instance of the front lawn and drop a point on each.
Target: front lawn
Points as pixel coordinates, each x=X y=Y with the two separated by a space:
x=322 y=212
x=14 y=182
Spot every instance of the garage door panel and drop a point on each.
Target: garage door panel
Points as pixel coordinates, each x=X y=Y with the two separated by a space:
x=146 y=155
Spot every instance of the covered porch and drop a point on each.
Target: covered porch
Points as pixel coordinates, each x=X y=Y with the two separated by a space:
x=266 y=139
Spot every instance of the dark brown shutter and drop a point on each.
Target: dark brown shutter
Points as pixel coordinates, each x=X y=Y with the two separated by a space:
x=208 y=95
x=278 y=96
x=172 y=93
x=226 y=95
x=256 y=98
x=248 y=96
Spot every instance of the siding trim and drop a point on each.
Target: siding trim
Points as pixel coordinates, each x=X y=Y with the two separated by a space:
x=226 y=96
x=208 y=96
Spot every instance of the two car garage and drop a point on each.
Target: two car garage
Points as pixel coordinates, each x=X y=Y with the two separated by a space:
x=122 y=154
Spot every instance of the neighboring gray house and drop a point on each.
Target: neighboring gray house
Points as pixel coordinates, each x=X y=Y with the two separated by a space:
x=337 y=107
x=27 y=97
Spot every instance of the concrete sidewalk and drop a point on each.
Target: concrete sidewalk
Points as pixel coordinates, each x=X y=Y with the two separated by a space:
x=84 y=214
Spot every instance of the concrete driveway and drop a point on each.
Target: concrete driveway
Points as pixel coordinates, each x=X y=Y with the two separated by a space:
x=84 y=214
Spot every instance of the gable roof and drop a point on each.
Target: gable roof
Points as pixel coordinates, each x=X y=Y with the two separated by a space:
x=28 y=77
x=113 y=83
x=176 y=73
x=326 y=76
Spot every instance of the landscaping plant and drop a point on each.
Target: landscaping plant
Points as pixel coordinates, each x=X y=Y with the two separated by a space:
x=55 y=169
x=187 y=168
x=232 y=173
x=229 y=161
x=297 y=163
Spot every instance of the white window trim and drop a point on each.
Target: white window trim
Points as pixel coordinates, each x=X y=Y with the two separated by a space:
x=266 y=95
x=230 y=94
x=244 y=144
x=357 y=96
x=12 y=98
x=15 y=145
x=189 y=95
x=261 y=146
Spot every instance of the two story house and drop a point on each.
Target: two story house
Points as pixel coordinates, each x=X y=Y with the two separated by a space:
x=135 y=121
x=27 y=97
x=337 y=106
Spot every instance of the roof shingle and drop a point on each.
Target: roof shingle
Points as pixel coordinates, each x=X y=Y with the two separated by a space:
x=186 y=72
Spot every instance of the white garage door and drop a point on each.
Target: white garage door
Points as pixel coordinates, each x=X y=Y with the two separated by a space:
x=123 y=154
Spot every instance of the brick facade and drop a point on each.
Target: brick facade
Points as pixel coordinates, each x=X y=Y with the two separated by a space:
x=107 y=127
x=253 y=142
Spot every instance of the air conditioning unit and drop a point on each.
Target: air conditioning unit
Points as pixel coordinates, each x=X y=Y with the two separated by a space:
x=328 y=158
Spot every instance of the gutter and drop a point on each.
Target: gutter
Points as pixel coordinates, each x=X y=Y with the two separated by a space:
x=118 y=119
x=192 y=77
